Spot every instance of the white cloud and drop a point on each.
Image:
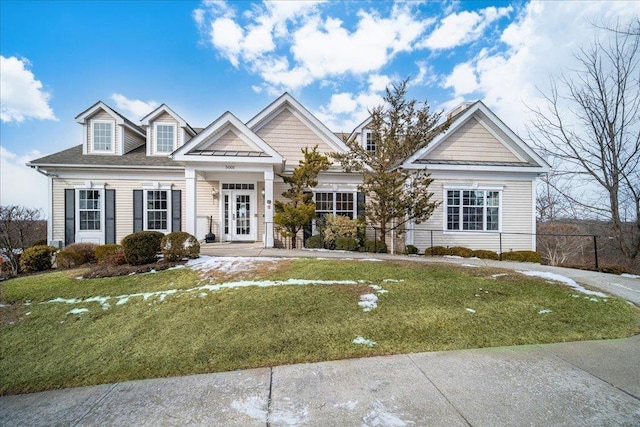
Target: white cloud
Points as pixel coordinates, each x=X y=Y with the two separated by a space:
x=378 y=82
x=459 y=28
x=13 y=170
x=137 y=108
x=539 y=42
x=342 y=103
x=22 y=97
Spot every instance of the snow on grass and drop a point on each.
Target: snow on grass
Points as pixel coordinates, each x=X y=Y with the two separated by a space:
x=228 y=264
x=363 y=341
x=544 y=311
x=78 y=311
x=3 y=305
x=469 y=265
x=495 y=276
x=470 y=310
x=368 y=302
x=630 y=276
x=393 y=280
x=452 y=256
x=378 y=289
x=562 y=279
x=371 y=259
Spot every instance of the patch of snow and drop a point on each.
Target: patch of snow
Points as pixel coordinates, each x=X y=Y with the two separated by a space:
x=68 y=301
x=3 y=305
x=203 y=294
x=153 y=270
x=79 y=278
x=228 y=264
x=562 y=279
x=379 y=416
x=393 y=280
x=371 y=259
x=379 y=289
x=368 y=302
x=101 y=300
x=469 y=265
x=630 y=276
x=78 y=311
x=495 y=276
x=27 y=313
x=363 y=341
x=253 y=407
x=176 y=267
x=470 y=310
x=452 y=256
x=544 y=311
x=594 y=299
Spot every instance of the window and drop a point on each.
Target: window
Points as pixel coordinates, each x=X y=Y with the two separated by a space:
x=157 y=210
x=473 y=210
x=102 y=136
x=370 y=144
x=165 y=138
x=335 y=204
x=89 y=209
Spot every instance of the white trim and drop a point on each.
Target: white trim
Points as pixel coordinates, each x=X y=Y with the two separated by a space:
x=120 y=146
x=94 y=236
x=485 y=189
x=156 y=186
x=534 y=224
x=93 y=136
x=474 y=186
x=119 y=118
x=154 y=140
x=50 y=210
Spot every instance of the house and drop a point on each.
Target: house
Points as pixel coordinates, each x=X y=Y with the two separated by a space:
x=165 y=175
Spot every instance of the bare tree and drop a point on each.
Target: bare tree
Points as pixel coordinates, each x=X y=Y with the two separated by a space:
x=590 y=123
x=20 y=227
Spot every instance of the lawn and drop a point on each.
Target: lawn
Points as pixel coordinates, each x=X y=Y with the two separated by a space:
x=59 y=330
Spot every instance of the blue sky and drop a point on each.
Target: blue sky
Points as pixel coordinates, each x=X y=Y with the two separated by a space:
x=204 y=58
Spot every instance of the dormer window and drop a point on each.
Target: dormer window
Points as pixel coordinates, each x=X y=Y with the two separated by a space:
x=103 y=135
x=370 y=144
x=165 y=137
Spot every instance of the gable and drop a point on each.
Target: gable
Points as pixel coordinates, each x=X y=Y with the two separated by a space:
x=287 y=134
x=229 y=141
x=472 y=142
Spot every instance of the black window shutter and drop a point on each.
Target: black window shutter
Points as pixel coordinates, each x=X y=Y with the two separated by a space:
x=362 y=204
x=176 y=210
x=69 y=216
x=138 y=212
x=110 y=216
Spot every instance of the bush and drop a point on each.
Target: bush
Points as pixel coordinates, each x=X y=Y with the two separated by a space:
x=335 y=226
x=86 y=251
x=37 y=258
x=103 y=251
x=522 y=256
x=484 y=254
x=178 y=245
x=114 y=259
x=376 y=246
x=461 y=251
x=142 y=247
x=315 y=242
x=344 y=243
x=68 y=259
x=410 y=250
x=41 y=242
x=437 y=251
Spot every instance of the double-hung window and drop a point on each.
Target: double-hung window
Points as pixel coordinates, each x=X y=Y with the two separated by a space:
x=473 y=210
x=165 y=138
x=370 y=143
x=157 y=210
x=103 y=135
x=89 y=210
x=335 y=203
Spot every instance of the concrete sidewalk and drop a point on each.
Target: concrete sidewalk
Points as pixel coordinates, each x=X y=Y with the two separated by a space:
x=582 y=383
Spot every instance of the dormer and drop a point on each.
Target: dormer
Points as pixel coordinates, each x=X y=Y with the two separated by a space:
x=166 y=131
x=107 y=132
x=364 y=136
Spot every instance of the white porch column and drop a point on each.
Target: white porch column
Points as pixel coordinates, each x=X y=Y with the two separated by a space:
x=191 y=202
x=268 y=208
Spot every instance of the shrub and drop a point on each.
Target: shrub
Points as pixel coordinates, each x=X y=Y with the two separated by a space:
x=114 y=259
x=142 y=247
x=522 y=256
x=461 y=251
x=37 y=258
x=410 y=250
x=376 y=246
x=41 y=242
x=338 y=226
x=178 y=245
x=103 y=251
x=315 y=242
x=345 y=243
x=86 y=251
x=484 y=254
x=68 y=259
x=437 y=251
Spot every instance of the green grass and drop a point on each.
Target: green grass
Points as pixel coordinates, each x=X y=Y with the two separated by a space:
x=252 y=327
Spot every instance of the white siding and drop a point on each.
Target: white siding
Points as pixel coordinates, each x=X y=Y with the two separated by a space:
x=472 y=141
x=206 y=206
x=286 y=134
x=516 y=217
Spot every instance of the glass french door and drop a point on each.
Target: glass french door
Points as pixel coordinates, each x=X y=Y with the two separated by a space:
x=238 y=212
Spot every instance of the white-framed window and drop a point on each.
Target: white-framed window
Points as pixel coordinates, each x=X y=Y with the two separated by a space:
x=369 y=143
x=157 y=215
x=473 y=210
x=103 y=135
x=165 y=134
x=89 y=210
x=336 y=203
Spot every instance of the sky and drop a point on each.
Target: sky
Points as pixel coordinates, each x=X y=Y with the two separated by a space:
x=58 y=58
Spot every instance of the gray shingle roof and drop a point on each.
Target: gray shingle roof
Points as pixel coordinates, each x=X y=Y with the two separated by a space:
x=473 y=163
x=73 y=157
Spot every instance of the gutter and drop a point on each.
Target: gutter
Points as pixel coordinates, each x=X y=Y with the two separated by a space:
x=43 y=172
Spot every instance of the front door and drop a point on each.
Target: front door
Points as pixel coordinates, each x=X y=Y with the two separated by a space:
x=239 y=216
